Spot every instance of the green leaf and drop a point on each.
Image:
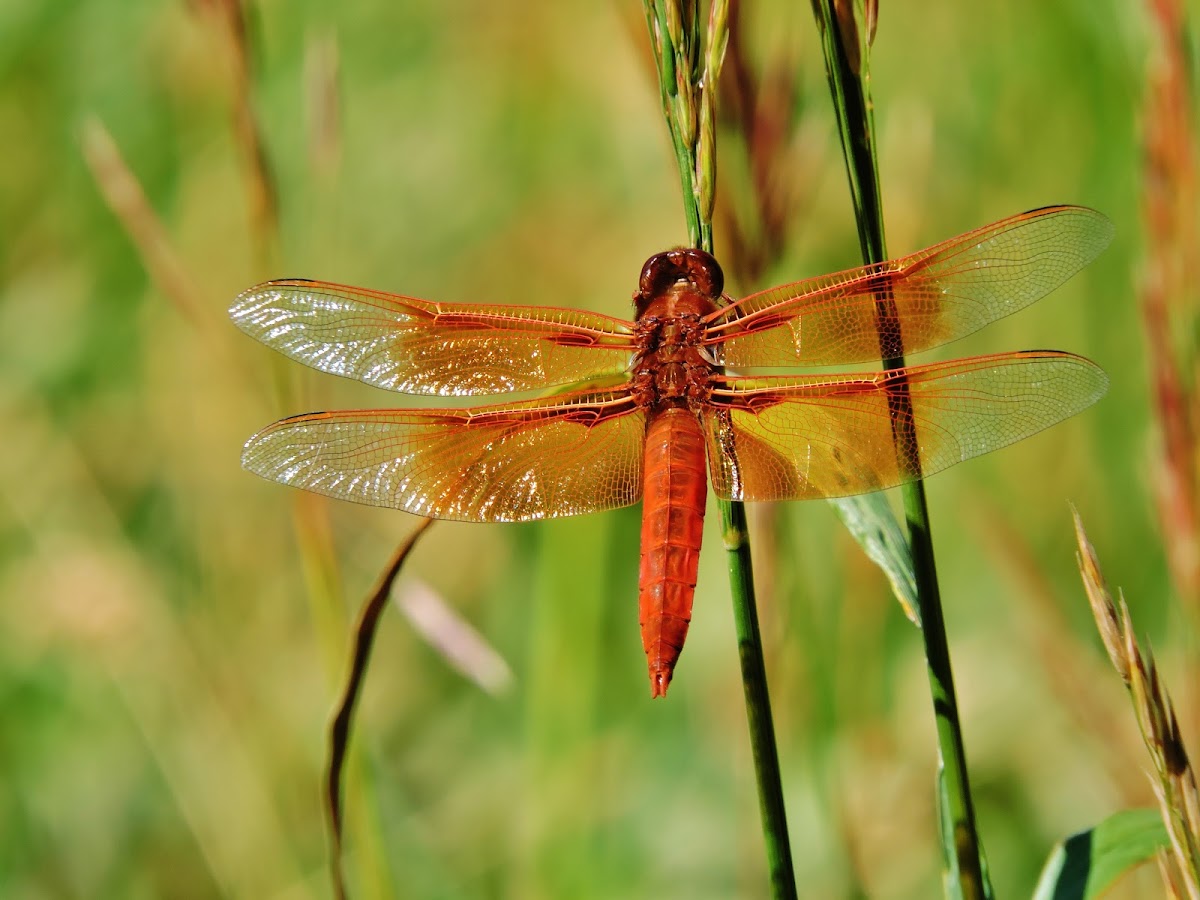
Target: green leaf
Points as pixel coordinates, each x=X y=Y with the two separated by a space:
x=1087 y=863
x=870 y=519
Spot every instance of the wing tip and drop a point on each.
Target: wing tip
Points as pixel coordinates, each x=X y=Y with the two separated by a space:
x=1101 y=229
x=252 y=456
x=1095 y=228
x=1097 y=377
x=251 y=300
x=246 y=304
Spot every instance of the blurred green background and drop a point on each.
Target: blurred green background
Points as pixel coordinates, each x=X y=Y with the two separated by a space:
x=172 y=634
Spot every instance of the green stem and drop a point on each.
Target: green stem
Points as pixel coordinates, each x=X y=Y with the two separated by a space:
x=689 y=118
x=951 y=751
x=856 y=127
x=758 y=703
x=670 y=58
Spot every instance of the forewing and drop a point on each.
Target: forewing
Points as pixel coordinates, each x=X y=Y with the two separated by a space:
x=932 y=297
x=830 y=436
x=571 y=454
x=419 y=347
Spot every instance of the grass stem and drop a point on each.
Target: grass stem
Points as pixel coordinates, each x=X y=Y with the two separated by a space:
x=688 y=68
x=758 y=703
x=846 y=56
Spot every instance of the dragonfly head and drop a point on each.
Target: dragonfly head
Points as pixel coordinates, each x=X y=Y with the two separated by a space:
x=684 y=267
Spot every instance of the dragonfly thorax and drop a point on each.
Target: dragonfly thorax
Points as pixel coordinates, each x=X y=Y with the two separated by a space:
x=672 y=366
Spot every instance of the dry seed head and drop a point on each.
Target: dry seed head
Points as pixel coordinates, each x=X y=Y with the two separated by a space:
x=674 y=26
x=1137 y=678
x=1168 y=874
x=1191 y=802
x=1178 y=870
x=1174 y=783
x=871 y=20
x=684 y=111
x=663 y=48
x=716 y=42
x=706 y=157
x=848 y=33
x=1158 y=714
x=706 y=150
x=1108 y=623
x=1174 y=753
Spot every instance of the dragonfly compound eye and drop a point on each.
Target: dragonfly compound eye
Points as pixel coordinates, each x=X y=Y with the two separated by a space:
x=694 y=267
x=702 y=271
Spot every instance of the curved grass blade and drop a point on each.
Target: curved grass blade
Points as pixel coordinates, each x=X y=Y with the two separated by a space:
x=343 y=719
x=871 y=522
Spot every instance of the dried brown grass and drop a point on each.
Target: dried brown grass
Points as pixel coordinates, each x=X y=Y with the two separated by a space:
x=1174 y=780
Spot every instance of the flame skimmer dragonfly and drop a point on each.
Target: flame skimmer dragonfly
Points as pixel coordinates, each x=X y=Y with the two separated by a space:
x=674 y=412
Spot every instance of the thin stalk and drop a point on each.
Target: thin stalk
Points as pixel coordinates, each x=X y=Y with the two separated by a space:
x=758 y=704
x=845 y=63
x=688 y=80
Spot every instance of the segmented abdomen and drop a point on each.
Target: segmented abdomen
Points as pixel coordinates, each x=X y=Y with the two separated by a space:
x=676 y=487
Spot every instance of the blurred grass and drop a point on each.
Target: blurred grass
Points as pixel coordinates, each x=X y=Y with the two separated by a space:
x=162 y=693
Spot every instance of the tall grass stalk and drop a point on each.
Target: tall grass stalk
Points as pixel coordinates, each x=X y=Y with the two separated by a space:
x=688 y=61
x=846 y=48
x=768 y=131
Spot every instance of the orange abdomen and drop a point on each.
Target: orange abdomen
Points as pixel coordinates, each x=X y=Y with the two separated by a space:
x=676 y=487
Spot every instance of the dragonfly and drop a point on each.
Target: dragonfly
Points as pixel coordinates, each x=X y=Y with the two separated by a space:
x=650 y=409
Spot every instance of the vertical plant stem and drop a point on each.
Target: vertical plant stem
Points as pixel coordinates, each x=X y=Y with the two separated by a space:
x=845 y=62
x=688 y=80
x=758 y=703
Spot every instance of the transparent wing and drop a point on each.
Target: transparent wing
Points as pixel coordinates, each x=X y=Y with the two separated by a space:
x=796 y=438
x=571 y=454
x=934 y=296
x=419 y=347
